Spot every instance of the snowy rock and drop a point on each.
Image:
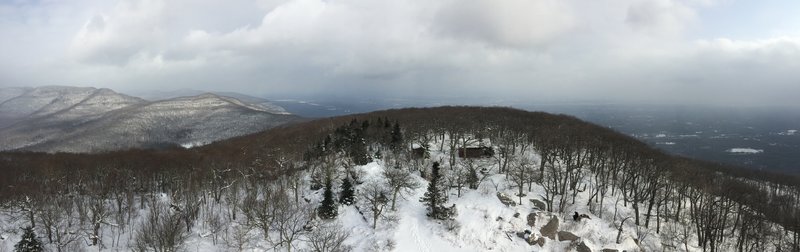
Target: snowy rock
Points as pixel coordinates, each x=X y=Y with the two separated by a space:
x=538 y=204
x=583 y=248
x=531 y=219
x=549 y=230
x=567 y=236
x=505 y=199
x=541 y=241
x=610 y=250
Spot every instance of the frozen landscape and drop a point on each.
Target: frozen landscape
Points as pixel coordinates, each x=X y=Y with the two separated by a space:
x=364 y=183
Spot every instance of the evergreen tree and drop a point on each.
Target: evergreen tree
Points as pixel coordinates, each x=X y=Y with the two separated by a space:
x=29 y=242
x=347 y=196
x=435 y=197
x=328 y=210
x=358 y=151
x=472 y=178
x=397 y=137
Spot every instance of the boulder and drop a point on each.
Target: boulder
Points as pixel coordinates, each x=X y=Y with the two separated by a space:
x=540 y=241
x=549 y=230
x=583 y=248
x=567 y=236
x=531 y=219
x=505 y=199
x=610 y=250
x=538 y=204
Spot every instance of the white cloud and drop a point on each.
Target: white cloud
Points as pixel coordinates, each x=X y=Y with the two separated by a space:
x=505 y=22
x=132 y=29
x=568 y=49
x=659 y=17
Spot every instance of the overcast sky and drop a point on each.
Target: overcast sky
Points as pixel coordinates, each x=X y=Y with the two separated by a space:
x=666 y=51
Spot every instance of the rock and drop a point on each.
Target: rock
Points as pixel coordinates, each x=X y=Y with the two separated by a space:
x=538 y=204
x=516 y=215
x=583 y=248
x=610 y=250
x=505 y=199
x=540 y=241
x=567 y=236
x=531 y=219
x=549 y=230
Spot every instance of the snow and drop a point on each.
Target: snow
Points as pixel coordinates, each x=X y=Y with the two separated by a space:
x=482 y=222
x=744 y=151
x=193 y=144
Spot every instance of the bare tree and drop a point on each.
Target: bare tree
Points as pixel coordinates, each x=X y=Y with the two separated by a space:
x=237 y=235
x=329 y=237
x=373 y=194
x=289 y=219
x=260 y=210
x=399 y=180
x=520 y=171
x=160 y=231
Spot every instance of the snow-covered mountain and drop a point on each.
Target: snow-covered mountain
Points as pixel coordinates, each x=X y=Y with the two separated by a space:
x=71 y=119
x=260 y=103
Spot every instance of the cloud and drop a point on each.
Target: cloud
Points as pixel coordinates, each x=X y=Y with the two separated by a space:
x=718 y=71
x=621 y=50
x=659 y=17
x=507 y=22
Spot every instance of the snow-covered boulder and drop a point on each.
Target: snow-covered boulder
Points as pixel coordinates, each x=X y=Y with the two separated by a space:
x=549 y=230
x=538 y=204
x=567 y=236
x=583 y=248
x=505 y=199
x=541 y=241
x=531 y=219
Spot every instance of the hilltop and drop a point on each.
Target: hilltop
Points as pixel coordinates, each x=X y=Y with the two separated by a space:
x=282 y=189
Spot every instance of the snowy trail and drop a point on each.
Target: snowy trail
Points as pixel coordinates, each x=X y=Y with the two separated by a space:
x=409 y=237
x=421 y=244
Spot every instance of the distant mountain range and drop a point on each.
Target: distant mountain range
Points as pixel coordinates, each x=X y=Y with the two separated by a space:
x=80 y=119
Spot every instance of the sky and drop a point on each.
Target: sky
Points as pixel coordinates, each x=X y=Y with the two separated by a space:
x=720 y=52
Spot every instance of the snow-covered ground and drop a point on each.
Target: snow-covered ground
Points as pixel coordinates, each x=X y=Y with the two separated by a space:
x=482 y=223
x=744 y=151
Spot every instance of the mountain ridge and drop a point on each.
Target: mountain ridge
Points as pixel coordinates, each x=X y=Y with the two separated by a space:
x=79 y=119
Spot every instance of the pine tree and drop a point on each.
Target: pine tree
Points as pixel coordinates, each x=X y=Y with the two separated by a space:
x=328 y=210
x=435 y=197
x=397 y=137
x=347 y=196
x=472 y=178
x=29 y=242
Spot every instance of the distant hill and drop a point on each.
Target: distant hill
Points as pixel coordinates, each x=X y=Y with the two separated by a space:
x=270 y=106
x=73 y=119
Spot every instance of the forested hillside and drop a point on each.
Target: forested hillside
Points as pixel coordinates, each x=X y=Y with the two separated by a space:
x=287 y=189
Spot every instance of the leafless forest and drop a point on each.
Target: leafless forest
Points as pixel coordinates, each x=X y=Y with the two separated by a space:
x=72 y=198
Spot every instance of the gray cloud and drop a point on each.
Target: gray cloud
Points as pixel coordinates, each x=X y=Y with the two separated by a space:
x=628 y=50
